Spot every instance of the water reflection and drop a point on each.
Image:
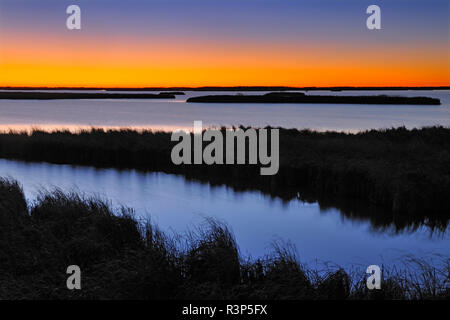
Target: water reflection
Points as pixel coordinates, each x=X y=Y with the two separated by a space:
x=385 y=221
x=381 y=220
x=170 y=114
x=319 y=231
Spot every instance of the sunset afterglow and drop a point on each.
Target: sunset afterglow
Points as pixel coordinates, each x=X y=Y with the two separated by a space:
x=226 y=43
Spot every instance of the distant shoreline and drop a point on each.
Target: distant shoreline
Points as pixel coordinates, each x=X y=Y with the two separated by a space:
x=235 y=88
x=80 y=95
x=298 y=97
x=272 y=97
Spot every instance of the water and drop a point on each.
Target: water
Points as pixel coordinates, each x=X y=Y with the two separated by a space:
x=257 y=220
x=175 y=114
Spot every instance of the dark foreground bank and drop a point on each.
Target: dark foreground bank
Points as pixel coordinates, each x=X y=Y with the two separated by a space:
x=298 y=97
x=121 y=258
x=404 y=172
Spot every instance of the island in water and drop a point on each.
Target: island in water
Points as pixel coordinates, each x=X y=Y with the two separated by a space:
x=300 y=97
x=33 y=95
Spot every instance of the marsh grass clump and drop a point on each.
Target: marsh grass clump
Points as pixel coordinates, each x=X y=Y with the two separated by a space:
x=210 y=262
x=283 y=276
x=87 y=226
x=14 y=232
x=212 y=255
x=334 y=286
x=417 y=279
x=123 y=258
x=402 y=172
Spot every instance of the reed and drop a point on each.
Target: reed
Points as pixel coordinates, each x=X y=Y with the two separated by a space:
x=122 y=258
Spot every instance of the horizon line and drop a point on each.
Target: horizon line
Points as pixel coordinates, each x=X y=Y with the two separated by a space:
x=248 y=87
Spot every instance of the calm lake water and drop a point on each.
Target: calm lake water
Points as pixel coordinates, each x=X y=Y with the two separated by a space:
x=175 y=114
x=257 y=220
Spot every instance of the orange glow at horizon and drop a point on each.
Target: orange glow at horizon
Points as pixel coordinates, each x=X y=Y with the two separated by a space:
x=127 y=63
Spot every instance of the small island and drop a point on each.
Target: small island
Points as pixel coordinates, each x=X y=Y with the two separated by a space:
x=33 y=95
x=175 y=93
x=300 y=97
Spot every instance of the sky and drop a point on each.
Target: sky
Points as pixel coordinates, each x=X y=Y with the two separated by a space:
x=144 y=43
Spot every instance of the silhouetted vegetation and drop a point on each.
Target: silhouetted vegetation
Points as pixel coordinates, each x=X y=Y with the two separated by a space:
x=175 y=93
x=298 y=97
x=121 y=258
x=404 y=173
x=33 y=95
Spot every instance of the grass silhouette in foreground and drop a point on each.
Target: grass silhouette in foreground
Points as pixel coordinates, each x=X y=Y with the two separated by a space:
x=121 y=258
x=298 y=97
x=403 y=171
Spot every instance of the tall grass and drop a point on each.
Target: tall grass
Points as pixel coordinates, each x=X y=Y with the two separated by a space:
x=122 y=258
x=404 y=173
